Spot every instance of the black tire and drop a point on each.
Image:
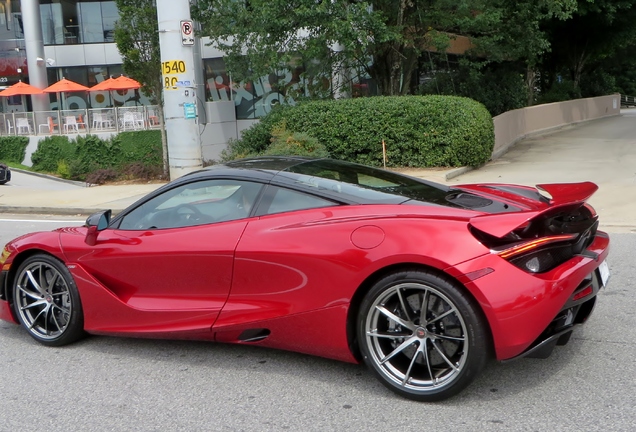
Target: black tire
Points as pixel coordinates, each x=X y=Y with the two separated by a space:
x=47 y=302
x=428 y=362
x=3 y=182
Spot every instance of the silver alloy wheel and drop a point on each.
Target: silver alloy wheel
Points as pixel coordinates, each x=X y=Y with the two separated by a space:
x=416 y=337
x=43 y=300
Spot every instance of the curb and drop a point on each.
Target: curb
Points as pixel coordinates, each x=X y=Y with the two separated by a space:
x=50 y=177
x=55 y=211
x=457 y=172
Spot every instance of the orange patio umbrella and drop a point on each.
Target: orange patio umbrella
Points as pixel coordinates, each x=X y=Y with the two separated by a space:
x=63 y=86
x=125 y=83
x=105 y=85
x=120 y=83
x=21 y=88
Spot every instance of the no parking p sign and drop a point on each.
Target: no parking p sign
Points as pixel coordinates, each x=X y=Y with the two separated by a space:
x=187 y=33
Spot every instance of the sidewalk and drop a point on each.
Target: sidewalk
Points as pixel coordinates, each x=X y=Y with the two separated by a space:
x=53 y=196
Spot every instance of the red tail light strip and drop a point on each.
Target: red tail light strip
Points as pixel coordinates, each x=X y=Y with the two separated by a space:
x=534 y=244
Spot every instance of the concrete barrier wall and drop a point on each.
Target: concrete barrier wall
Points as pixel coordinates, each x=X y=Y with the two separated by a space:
x=515 y=125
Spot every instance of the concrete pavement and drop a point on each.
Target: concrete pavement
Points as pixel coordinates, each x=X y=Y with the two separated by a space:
x=602 y=151
x=28 y=193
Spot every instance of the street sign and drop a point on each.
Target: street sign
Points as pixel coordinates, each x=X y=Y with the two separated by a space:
x=190 y=110
x=187 y=33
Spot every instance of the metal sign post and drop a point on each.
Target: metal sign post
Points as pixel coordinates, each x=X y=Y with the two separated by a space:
x=176 y=38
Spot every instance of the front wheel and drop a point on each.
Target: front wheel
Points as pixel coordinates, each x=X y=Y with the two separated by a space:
x=422 y=336
x=47 y=302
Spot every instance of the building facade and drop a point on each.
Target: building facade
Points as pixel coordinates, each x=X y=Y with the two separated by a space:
x=79 y=45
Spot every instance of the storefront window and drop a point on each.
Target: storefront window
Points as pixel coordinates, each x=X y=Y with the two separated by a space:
x=71 y=21
x=110 y=16
x=90 y=22
x=52 y=24
x=253 y=99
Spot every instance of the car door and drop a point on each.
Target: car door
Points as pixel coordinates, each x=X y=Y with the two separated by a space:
x=175 y=252
x=288 y=261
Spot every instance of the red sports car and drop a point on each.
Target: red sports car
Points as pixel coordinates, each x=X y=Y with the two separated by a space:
x=422 y=282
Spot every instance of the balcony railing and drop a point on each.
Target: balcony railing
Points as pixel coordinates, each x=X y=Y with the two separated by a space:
x=85 y=121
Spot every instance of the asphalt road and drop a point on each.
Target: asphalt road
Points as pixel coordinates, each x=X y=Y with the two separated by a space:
x=103 y=384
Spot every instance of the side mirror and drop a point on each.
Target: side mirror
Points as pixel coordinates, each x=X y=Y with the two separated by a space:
x=95 y=223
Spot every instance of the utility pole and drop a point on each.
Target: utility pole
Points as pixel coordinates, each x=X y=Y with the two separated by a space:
x=34 y=46
x=176 y=39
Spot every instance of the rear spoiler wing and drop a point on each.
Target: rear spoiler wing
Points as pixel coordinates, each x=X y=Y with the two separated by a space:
x=557 y=195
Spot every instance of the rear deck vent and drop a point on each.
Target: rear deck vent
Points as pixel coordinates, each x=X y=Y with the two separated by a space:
x=468 y=200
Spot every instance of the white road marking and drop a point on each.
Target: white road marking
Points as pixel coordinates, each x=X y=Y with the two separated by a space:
x=42 y=220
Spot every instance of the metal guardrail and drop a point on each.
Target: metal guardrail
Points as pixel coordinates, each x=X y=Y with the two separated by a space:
x=628 y=101
x=85 y=121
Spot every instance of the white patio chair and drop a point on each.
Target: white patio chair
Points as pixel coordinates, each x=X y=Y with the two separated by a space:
x=9 y=126
x=139 y=120
x=70 y=122
x=128 y=121
x=22 y=125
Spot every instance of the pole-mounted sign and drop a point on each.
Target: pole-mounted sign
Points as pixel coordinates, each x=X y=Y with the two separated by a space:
x=187 y=33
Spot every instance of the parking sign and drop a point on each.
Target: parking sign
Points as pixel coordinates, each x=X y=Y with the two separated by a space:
x=187 y=33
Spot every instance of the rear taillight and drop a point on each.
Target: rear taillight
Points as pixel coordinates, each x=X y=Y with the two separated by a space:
x=539 y=255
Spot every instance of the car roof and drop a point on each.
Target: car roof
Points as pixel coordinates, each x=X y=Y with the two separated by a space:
x=303 y=174
x=263 y=168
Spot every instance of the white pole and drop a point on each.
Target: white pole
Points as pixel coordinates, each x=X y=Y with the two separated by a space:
x=176 y=39
x=34 y=46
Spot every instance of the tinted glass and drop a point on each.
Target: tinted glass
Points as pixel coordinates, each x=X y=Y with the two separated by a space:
x=366 y=184
x=286 y=200
x=197 y=203
x=90 y=22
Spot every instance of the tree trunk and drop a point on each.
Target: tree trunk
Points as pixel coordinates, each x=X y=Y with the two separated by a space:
x=531 y=80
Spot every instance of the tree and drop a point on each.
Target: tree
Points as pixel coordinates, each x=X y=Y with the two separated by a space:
x=137 y=38
x=592 y=41
x=382 y=39
x=514 y=31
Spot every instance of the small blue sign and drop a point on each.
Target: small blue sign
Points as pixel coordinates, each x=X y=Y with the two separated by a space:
x=190 y=110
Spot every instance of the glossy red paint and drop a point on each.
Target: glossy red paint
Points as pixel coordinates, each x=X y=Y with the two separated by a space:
x=295 y=274
x=563 y=193
x=291 y=264
x=6 y=312
x=519 y=305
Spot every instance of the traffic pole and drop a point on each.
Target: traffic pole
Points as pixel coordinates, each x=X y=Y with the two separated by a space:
x=34 y=46
x=178 y=68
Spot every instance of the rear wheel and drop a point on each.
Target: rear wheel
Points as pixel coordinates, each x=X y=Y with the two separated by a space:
x=46 y=301
x=423 y=337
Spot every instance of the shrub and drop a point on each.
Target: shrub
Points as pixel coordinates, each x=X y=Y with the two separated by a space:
x=101 y=176
x=93 y=153
x=140 y=170
x=95 y=160
x=13 y=149
x=51 y=151
x=419 y=131
x=142 y=146
x=284 y=142
x=63 y=169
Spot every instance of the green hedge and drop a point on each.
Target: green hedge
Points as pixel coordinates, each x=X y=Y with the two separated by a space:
x=13 y=149
x=76 y=158
x=419 y=131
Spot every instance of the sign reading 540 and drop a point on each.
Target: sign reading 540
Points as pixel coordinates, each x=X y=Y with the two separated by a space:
x=173 y=67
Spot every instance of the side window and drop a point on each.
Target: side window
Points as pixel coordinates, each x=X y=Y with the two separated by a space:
x=196 y=203
x=286 y=200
